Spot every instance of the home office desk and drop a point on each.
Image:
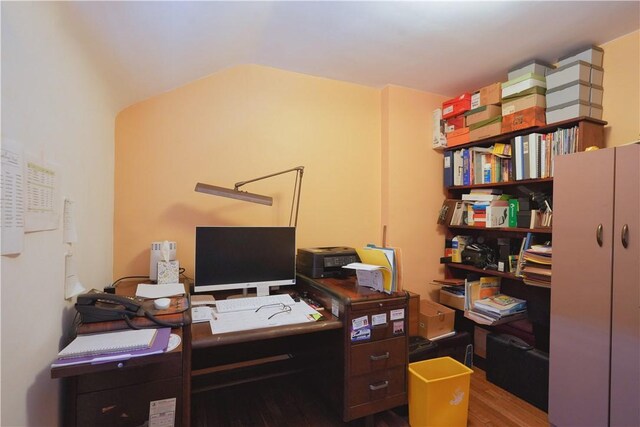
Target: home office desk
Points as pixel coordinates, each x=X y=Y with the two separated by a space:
x=360 y=370
x=358 y=376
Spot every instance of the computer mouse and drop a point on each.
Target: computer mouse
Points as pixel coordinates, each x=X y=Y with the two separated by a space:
x=162 y=303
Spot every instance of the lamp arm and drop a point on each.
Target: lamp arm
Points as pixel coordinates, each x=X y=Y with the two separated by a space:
x=300 y=170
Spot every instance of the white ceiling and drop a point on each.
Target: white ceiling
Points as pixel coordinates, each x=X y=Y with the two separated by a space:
x=439 y=47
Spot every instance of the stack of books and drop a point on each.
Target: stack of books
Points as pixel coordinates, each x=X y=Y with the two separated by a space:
x=499 y=308
x=536 y=266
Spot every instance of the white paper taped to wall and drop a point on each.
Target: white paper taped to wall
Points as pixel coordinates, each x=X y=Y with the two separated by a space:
x=12 y=202
x=70 y=234
x=42 y=183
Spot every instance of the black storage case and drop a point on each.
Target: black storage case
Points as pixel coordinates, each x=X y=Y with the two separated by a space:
x=518 y=368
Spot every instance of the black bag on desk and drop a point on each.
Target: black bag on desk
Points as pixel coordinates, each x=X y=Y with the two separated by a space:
x=518 y=368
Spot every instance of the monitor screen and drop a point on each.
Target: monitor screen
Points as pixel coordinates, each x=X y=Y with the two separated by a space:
x=230 y=257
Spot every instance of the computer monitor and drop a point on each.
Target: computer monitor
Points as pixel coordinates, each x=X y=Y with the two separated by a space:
x=229 y=257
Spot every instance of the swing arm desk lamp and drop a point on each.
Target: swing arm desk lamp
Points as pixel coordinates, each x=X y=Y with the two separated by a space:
x=238 y=194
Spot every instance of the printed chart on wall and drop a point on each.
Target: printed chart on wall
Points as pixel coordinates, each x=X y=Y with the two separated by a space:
x=12 y=201
x=42 y=195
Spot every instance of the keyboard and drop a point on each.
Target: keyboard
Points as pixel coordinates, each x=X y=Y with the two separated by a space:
x=251 y=303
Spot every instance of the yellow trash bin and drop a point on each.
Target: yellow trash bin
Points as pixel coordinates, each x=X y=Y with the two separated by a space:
x=438 y=393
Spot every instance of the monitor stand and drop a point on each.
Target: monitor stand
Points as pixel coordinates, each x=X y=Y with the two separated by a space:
x=260 y=292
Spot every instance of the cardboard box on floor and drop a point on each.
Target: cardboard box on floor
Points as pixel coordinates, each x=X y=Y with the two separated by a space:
x=435 y=319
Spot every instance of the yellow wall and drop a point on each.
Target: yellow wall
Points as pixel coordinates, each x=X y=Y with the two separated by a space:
x=241 y=123
x=621 y=99
x=412 y=184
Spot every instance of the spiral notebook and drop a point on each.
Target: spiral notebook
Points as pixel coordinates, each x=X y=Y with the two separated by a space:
x=109 y=342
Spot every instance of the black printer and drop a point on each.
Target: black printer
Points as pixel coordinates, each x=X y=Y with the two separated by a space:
x=326 y=261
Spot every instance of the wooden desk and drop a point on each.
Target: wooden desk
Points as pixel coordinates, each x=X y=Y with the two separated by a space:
x=231 y=358
x=370 y=375
x=120 y=393
x=359 y=377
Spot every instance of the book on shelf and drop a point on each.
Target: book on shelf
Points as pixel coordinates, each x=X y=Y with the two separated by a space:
x=484 y=287
x=501 y=304
x=448 y=168
x=447 y=210
x=489 y=320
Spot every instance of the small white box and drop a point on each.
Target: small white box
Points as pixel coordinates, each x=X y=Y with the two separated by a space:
x=168 y=272
x=573 y=110
x=439 y=140
x=522 y=83
x=574 y=91
x=591 y=54
x=536 y=67
x=575 y=71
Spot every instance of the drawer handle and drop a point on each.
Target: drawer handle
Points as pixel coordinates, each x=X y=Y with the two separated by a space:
x=380 y=357
x=379 y=386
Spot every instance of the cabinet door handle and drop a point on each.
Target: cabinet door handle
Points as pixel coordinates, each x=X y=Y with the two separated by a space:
x=625 y=236
x=379 y=386
x=599 y=235
x=379 y=357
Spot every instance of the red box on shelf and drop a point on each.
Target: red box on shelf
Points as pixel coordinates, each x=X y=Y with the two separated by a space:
x=456 y=106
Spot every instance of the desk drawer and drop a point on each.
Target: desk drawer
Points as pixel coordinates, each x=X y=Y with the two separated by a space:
x=128 y=406
x=377 y=385
x=374 y=356
x=132 y=371
x=380 y=331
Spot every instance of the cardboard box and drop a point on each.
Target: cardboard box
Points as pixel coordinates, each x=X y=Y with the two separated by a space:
x=451 y=300
x=482 y=113
x=591 y=55
x=491 y=94
x=435 y=319
x=572 y=110
x=574 y=91
x=454 y=123
x=537 y=67
x=524 y=119
x=439 y=140
x=456 y=106
x=458 y=137
x=578 y=70
x=523 y=83
x=522 y=103
x=487 y=131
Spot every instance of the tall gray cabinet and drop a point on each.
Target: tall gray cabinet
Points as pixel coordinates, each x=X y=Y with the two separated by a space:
x=594 y=355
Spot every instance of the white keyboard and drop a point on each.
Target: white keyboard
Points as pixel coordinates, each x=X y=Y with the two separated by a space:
x=251 y=303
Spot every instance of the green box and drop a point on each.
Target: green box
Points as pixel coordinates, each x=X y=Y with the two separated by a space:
x=513 y=212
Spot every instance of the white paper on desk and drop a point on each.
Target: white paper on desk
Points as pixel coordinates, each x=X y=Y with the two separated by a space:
x=145 y=290
x=201 y=314
x=235 y=321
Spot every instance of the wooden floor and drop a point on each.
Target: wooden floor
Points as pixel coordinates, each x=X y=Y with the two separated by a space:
x=291 y=401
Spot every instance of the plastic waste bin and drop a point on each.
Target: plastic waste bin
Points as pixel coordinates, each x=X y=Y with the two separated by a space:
x=438 y=392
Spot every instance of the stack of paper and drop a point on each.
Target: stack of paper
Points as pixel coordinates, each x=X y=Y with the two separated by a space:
x=380 y=268
x=536 y=268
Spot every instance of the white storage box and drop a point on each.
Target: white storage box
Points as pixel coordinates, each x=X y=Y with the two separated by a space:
x=574 y=91
x=574 y=71
x=592 y=55
x=536 y=67
x=522 y=83
x=573 y=110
